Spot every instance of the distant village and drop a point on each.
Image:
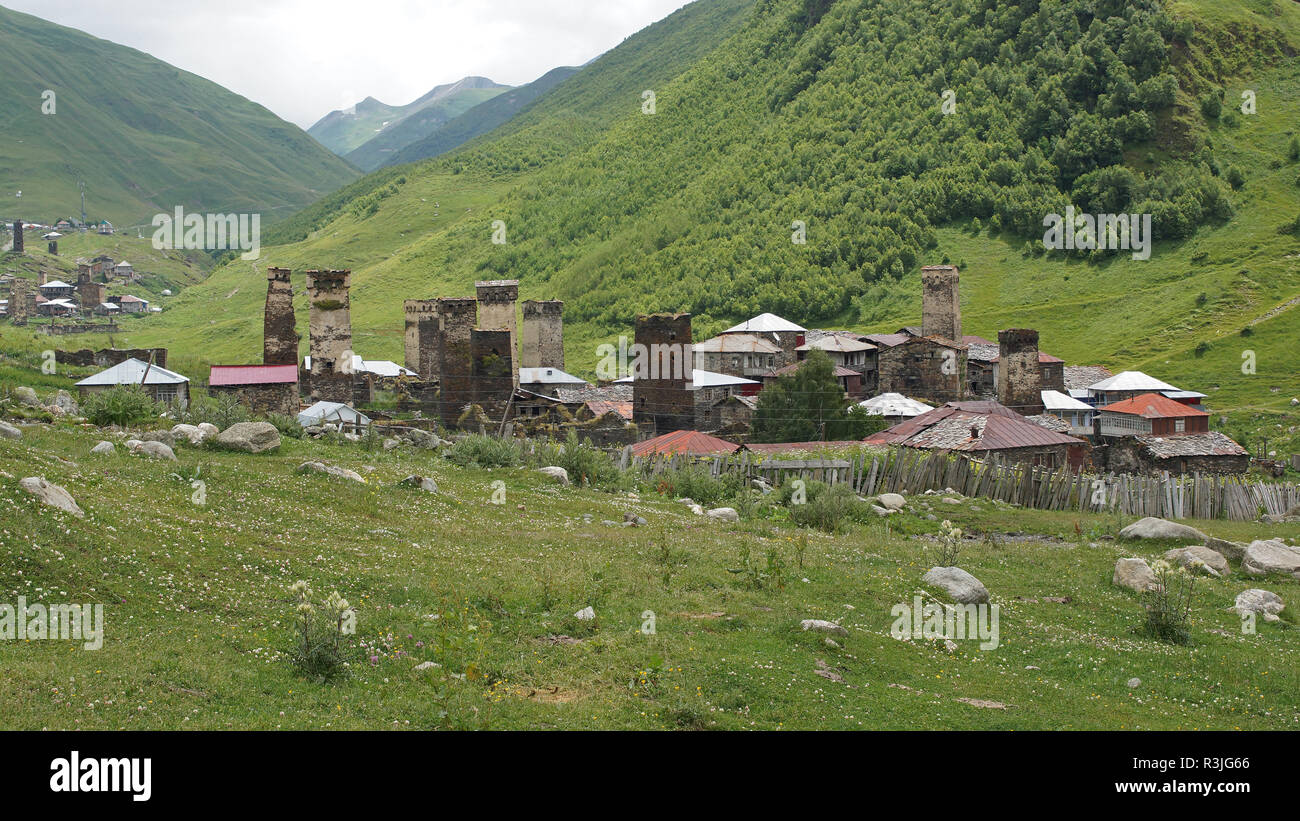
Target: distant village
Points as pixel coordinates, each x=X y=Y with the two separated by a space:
x=469 y=365
x=86 y=301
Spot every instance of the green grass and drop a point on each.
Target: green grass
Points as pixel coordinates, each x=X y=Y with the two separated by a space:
x=199 y=617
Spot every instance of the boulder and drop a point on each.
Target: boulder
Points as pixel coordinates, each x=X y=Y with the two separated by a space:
x=8 y=431
x=164 y=436
x=891 y=501
x=52 y=495
x=65 y=403
x=103 y=447
x=421 y=482
x=1135 y=574
x=823 y=626
x=208 y=430
x=250 y=437
x=1153 y=528
x=633 y=520
x=27 y=396
x=1212 y=560
x=585 y=614
x=155 y=450
x=330 y=470
x=1265 y=602
x=724 y=514
x=1271 y=556
x=189 y=433
x=761 y=485
x=960 y=585
x=1230 y=550
x=559 y=474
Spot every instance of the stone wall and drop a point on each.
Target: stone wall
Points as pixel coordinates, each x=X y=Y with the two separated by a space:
x=924 y=368
x=276 y=398
x=496 y=310
x=492 y=370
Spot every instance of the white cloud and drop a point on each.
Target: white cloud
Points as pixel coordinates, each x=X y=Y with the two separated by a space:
x=305 y=58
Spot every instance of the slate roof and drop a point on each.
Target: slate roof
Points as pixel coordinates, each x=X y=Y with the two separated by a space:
x=1079 y=377
x=970 y=426
x=737 y=343
x=1191 y=444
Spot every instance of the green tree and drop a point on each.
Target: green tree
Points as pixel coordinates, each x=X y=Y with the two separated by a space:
x=809 y=406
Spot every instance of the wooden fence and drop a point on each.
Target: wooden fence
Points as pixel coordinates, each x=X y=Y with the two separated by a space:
x=911 y=471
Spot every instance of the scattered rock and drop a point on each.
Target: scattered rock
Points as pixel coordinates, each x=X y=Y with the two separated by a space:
x=51 y=494
x=559 y=474
x=103 y=447
x=1135 y=574
x=422 y=482
x=8 y=431
x=762 y=486
x=585 y=614
x=948 y=500
x=891 y=501
x=164 y=436
x=821 y=668
x=1231 y=550
x=331 y=470
x=823 y=626
x=724 y=514
x=1134 y=682
x=633 y=520
x=65 y=403
x=1271 y=556
x=833 y=644
x=427 y=665
x=1153 y=528
x=155 y=450
x=250 y=437
x=1211 y=560
x=960 y=585
x=983 y=702
x=1265 y=602
x=189 y=433
x=208 y=429
x=27 y=396
x=392 y=444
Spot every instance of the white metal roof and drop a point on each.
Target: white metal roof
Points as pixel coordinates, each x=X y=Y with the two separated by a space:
x=1131 y=381
x=331 y=412
x=548 y=376
x=1055 y=400
x=705 y=379
x=838 y=344
x=765 y=323
x=737 y=343
x=894 y=404
x=58 y=283
x=130 y=372
x=379 y=367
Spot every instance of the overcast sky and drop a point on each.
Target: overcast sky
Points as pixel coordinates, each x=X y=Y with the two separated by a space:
x=305 y=58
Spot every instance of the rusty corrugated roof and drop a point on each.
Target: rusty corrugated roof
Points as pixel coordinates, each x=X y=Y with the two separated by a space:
x=690 y=442
x=1153 y=406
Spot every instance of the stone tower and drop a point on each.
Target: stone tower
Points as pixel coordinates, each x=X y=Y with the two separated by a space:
x=422 y=336
x=492 y=371
x=330 y=328
x=543 y=335
x=18 y=236
x=18 y=301
x=1020 y=377
x=940 y=302
x=279 y=336
x=661 y=401
x=496 y=311
x=455 y=360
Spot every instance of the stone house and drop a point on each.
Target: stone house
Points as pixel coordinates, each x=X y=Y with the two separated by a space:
x=264 y=388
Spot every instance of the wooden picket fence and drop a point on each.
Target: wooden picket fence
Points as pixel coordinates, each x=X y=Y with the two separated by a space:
x=911 y=471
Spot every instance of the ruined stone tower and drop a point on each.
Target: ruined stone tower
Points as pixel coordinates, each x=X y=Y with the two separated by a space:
x=1020 y=377
x=422 y=336
x=455 y=361
x=89 y=292
x=18 y=301
x=330 y=328
x=54 y=247
x=661 y=401
x=492 y=371
x=543 y=335
x=496 y=300
x=18 y=236
x=940 y=302
x=279 y=338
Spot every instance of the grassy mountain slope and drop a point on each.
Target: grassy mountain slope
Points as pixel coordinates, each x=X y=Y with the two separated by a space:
x=419 y=122
x=692 y=208
x=143 y=136
x=480 y=119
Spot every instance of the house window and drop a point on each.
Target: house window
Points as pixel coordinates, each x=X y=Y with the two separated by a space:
x=1180 y=426
x=165 y=393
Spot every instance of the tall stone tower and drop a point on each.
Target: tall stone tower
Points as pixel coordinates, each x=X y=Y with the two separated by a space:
x=330 y=328
x=543 y=334
x=422 y=336
x=496 y=311
x=940 y=302
x=18 y=236
x=1020 y=377
x=492 y=371
x=18 y=301
x=455 y=359
x=661 y=401
x=279 y=336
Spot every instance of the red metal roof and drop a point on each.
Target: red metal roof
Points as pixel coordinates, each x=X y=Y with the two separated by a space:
x=690 y=442
x=600 y=407
x=1153 y=406
x=224 y=375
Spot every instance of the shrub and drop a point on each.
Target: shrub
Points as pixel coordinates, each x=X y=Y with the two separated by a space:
x=587 y=465
x=1293 y=150
x=949 y=547
x=1169 y=605
x=827 y=507
x=222 y=411
x=286 y=424
x=121 y=405
x=698 y=483
x=318 y=649
x=478 y=450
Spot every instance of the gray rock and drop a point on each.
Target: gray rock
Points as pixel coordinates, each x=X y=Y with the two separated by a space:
x=724 y=514
x=585 y=614
x=960 y=585
x=891 y=501
x=760 y=485
x=330 y=470
x=155 y=450
x=559 y=474
x=189 y=433
x=1135 y=574
x=422 y=482
x=208 y=430
x=250 y=437
x=103 y=447
x=8 y=431
x=391 y=444
x=164 y=436
x=1231 y=550
x=52 y=495
x=1271 y=556
x=27 y=396
x=65 y=403
x=823 y=626
x=1255 y=600
x=1134 y=683
x=633 y=519
x=1212 y=560
x=428 y=665
x=1153 y=528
